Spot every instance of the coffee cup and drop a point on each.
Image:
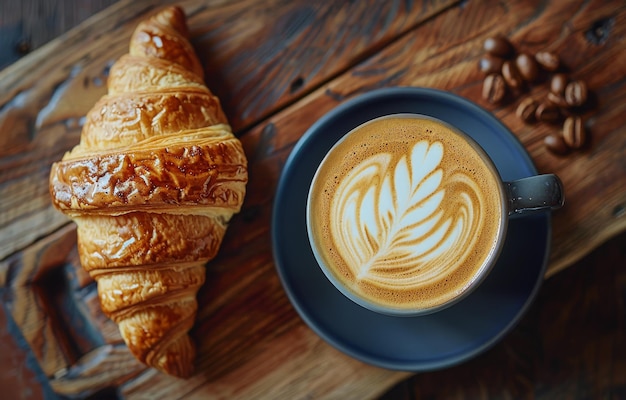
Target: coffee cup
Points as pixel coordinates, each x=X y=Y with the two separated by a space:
x=406 y=214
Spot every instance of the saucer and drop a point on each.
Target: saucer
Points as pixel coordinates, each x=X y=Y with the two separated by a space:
x=427 y=342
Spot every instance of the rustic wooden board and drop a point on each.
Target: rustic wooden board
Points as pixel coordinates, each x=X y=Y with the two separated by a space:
x=278 y=66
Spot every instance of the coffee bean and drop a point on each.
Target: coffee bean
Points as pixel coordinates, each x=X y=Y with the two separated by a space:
x=558 y=83
x=557 y=100
x=511 y=75
x=547 y=112
x=549 y=61
x=490 y=64
x=498 y=46
x=574 y=133
x=494 y=88
x=576 y=93
x=526 y=109
x=527 y=67
x=555 y=144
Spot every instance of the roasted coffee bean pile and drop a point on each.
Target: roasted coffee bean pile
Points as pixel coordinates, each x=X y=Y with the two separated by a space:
x=510 y=74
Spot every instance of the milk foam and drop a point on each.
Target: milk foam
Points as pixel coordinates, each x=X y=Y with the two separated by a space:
x=410 y=221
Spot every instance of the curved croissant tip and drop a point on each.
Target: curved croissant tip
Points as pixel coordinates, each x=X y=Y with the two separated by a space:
x=173 y=16
x=177 y=359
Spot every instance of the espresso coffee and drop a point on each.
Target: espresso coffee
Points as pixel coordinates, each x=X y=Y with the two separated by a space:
x=406 y=213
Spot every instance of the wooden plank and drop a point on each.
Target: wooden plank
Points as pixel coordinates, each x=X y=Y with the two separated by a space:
x=19 y=379
x=31 y=265
x=105 y=367
x=27 y=25
x=296 y=365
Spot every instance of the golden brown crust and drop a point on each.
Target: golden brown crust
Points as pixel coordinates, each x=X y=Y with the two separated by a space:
x=149 y=74
x=208 y=172
x=146 y=240
x=129 y=118
x=164 y=36
x=155 y=286
x=152 y=185
x=157 y=335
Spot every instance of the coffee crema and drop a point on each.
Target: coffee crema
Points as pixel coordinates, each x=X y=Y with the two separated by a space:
x=405 y=212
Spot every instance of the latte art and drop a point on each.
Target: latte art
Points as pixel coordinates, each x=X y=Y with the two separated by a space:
x=405 y=213
x=391 y=226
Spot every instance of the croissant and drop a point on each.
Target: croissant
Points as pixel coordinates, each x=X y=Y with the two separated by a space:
x=151 y=186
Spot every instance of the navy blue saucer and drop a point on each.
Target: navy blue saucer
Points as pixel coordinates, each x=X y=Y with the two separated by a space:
x=422 y=343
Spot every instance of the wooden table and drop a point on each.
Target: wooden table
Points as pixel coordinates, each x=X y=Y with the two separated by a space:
x=278 y=66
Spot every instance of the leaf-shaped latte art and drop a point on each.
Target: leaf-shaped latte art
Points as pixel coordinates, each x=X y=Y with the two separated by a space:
x=400 y=223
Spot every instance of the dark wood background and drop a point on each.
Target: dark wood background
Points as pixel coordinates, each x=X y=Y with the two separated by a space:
x=571 y=344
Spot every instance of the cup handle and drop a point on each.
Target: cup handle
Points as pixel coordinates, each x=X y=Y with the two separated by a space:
x=535 y=193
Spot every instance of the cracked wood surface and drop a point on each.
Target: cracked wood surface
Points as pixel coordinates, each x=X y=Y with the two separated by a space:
x=278 y=66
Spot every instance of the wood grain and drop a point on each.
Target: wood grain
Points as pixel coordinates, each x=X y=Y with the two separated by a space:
x=27 y=25
x=19 y=378
x=278 y=66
